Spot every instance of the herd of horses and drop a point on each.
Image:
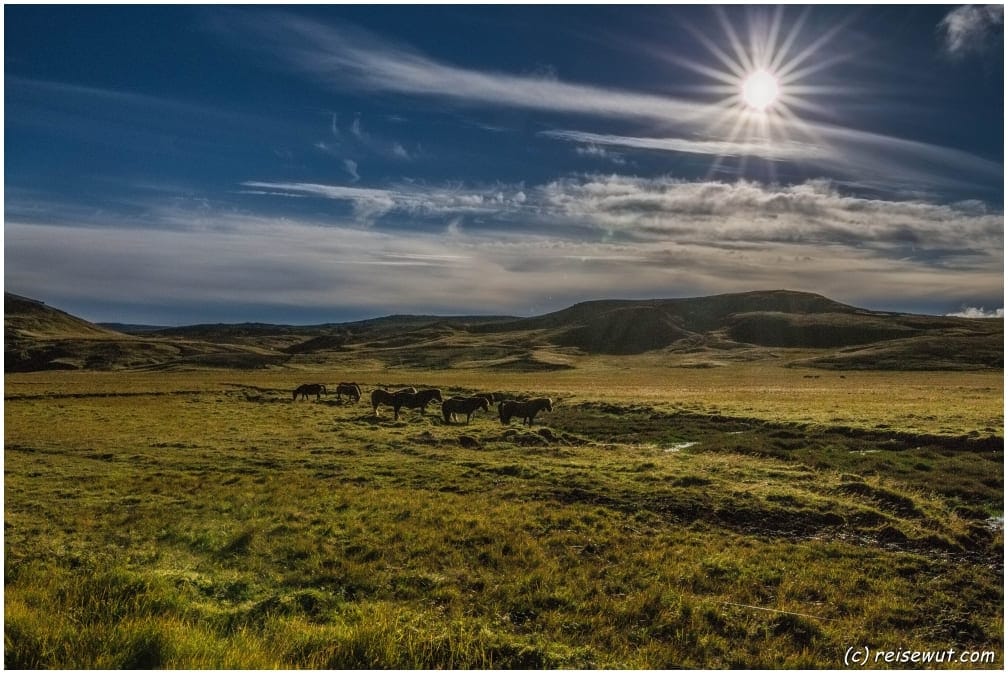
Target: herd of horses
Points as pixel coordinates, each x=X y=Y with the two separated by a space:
x=411 y=398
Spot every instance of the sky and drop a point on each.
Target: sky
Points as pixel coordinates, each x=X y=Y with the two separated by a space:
x=173 y=165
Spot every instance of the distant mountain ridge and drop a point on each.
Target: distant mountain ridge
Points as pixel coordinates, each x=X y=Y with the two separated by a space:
x=757 y=323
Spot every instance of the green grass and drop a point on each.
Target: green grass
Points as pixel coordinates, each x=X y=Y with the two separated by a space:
x=203 y=520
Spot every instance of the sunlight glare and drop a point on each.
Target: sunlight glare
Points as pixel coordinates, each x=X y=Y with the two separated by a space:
x=760 y=90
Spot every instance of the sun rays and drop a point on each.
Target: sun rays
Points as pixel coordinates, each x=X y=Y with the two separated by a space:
x=761 y=78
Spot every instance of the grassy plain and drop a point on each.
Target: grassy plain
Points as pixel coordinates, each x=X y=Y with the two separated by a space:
x=741 y=516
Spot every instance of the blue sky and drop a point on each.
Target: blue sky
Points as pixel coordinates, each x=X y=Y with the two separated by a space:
x=186 y=164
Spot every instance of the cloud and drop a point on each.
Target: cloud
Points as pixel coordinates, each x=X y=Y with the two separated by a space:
x=814 y=214
x=970 y=28
x=355 y=128
x=978 y=312
x=512 y=247
x=599 y=152
x=351 y=167
x=777 y=150
x=880 y=162
x=344 y=56
x=399 y=151
x=411 y=199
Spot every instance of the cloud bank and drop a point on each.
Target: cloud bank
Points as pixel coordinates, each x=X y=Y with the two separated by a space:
x=518 y=249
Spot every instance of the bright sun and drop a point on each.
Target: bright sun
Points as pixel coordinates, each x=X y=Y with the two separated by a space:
x=760 y=90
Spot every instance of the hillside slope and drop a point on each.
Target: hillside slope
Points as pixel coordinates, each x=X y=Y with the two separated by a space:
x=40 y=337
x=699 y=331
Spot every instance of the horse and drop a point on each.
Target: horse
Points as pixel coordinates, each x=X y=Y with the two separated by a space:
x=418 y=400
x=351 y=390
x=305 y=390
x=382 y=397
x=467 y=406
x=526 y=410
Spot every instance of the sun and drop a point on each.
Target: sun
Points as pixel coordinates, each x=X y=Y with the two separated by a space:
x=759 y=90
x=763 y=76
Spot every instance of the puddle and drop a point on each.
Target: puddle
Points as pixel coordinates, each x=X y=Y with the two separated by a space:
x=735 y=432
x=995 y=523
x=678 y=447
x=865 y=451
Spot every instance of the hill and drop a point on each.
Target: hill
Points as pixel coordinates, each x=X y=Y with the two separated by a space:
x=26 y=319
x=807 y=329
x=40 y=337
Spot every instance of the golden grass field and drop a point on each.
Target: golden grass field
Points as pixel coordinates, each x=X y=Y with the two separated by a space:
x=747 y=516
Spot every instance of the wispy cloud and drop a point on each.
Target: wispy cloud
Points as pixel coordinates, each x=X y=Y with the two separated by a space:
x=350 y=166
x=345 y=56
x=412 y=199
x=775 y=150
x=399 y=151
x=970 y=28
x=887 y=163
x=599 y=152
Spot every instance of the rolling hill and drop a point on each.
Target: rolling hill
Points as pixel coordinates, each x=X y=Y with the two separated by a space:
x=811 y=329
x=40 y=337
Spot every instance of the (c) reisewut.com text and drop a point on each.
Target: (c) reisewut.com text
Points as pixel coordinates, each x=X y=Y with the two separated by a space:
x=867 y=657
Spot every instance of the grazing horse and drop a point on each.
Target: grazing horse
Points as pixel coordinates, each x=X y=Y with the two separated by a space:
x=305 y=390
x=349 y=389
x=526 y=410
x=418 y=400
x=467 y=406
x=382 y=397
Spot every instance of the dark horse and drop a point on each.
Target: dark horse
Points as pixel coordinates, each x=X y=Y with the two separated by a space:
x=526 y=410
x=467 y=406
x=305 y=390
x=407 y=397
x=349 y=389
x=382 y=397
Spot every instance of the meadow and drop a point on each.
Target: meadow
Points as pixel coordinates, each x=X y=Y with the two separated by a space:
x=749 y=516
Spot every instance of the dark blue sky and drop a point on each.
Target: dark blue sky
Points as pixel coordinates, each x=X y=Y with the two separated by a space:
x=303 y=164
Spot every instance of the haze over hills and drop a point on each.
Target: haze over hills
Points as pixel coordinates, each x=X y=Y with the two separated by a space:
x=809 y=329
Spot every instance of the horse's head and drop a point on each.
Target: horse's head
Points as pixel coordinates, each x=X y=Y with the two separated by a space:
x=549 y=404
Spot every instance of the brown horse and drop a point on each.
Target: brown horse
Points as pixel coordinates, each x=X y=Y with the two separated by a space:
x=305 y=390
x=382 y=397
x=418 y=400
x=349 y=389
x=526 y=410
x=467 y=406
